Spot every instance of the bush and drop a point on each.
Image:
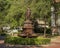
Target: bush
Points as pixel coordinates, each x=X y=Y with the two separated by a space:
x=27 y=41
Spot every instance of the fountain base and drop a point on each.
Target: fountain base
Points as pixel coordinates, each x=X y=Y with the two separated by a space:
x=28 y=30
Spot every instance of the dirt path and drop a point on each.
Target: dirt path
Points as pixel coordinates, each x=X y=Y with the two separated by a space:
x=55 y=43
x=53 y=46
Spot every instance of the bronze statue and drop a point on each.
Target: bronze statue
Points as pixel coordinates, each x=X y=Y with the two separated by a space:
x=28 y=13
x=28 y=26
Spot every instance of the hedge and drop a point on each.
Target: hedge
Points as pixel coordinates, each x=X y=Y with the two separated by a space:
x=27 y=41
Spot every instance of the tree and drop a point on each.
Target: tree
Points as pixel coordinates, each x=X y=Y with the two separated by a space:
x=14 y=10
x=3 y=11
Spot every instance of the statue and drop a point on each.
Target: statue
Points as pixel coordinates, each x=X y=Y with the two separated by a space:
x=28 y=13
x=28 y=26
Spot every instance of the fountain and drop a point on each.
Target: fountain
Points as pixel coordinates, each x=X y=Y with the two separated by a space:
x=28 y=26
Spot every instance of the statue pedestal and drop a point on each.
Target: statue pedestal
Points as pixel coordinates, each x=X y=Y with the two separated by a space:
x=28 y=29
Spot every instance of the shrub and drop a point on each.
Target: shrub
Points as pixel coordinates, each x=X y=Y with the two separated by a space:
x=27 y=41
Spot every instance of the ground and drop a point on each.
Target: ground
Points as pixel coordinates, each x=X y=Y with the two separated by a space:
x=55 y=43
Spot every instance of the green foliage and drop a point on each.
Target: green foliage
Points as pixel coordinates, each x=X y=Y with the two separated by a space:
x=57 y=5
x=13 y=11
x=27 y=41
x=3 y=10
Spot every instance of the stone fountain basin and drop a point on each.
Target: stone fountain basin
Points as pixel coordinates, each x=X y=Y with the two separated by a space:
x=29 y=36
